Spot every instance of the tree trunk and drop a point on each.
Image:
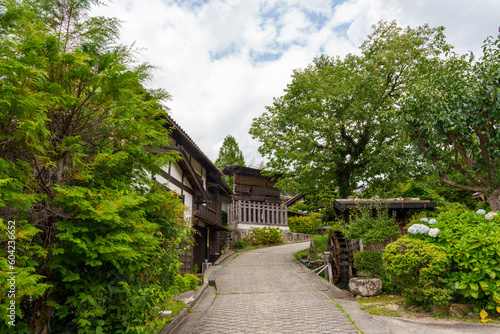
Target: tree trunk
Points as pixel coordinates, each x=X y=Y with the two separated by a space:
x=494 y=200
x=344 y=182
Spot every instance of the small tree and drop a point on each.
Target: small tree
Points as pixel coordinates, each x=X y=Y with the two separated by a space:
x=229 y=155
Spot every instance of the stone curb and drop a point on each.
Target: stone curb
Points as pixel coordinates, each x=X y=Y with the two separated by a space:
x=184 y=312
x=178 y=318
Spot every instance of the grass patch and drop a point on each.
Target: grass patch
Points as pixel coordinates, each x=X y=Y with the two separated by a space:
x=321 y=243
x=347 y=315
x=175 y=306
x=302 y=254
x=383 y=305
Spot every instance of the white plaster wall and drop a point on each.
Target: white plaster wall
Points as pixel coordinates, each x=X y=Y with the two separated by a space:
x=196 y=166
x=188 y=201
x=225 y=202
x=175 y=171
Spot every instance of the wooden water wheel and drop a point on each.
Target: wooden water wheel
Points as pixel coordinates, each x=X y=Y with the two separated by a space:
x=341 y=254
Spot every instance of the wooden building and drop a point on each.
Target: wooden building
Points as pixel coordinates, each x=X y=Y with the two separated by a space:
x=198 y=182
x=255 y=200
x=398 y=206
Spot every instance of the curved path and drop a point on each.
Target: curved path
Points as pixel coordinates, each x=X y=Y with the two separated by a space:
x=267 y=291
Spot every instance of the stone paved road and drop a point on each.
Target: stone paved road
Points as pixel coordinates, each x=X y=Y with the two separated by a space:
x=267 y=291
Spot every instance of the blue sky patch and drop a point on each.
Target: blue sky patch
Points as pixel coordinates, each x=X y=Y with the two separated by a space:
x=260 y=57
x=189 y=4
x=342 y=29
x=224 y=52
x=317 y=19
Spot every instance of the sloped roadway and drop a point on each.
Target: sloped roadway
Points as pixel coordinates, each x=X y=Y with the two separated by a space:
x=267 y=291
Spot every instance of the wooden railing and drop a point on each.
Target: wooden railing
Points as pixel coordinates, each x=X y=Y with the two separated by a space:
x=246 y=212
x=207 y=213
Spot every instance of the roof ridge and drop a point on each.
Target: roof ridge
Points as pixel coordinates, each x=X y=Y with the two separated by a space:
x=185 y=134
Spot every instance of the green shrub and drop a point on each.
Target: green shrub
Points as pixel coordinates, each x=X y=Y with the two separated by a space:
x=266 y=236
x=373 y=225
x=473 y=244
x=187 y=282
x=239 y=244
x=416 y=267
x=261 y=236
x=370 y=263
x=301 y=225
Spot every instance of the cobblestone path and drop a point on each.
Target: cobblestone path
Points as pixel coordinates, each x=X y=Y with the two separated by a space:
x=267 y=291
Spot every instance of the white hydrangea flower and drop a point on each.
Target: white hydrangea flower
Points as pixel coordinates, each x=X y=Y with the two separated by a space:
x=490 y=215
x=480 y=212
x=433 y=232
x=424 y=220
x=432 y=221
x=412 y=229
x=418 y=229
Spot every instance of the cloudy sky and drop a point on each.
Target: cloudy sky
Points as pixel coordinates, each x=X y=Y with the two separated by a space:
x=223 y=61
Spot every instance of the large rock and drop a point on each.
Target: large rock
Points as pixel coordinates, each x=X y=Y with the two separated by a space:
x=365 y=287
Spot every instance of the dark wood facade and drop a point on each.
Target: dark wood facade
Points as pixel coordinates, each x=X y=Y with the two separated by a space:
x=397 y=206
x=249 y=184
x=199 y=182
x=255 y=200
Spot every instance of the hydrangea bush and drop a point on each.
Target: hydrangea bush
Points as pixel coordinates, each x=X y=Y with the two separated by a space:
x=417 y=267
x=471 y=242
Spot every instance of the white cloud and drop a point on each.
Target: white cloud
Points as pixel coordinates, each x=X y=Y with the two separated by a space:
x=223 y=61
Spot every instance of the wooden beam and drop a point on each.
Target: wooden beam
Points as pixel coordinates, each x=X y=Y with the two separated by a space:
x=176 y=182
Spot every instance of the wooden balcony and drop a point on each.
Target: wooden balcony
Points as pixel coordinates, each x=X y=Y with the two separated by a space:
x=208 y=214
x=247 y=212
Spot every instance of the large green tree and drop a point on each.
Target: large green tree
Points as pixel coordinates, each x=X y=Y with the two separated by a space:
x=453 y=116
x=334 y=126
x=229 y=155
x=95 y=246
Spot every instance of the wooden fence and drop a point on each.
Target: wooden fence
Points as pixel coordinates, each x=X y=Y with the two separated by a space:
x=246 y=212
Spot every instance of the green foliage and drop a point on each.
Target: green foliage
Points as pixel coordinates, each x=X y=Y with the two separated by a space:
x=300 y=206
x=96 y=241
x=229 y=155
x=302 y=254
x=334 y=126
x=370 y=263
x=416 y=267
x=372 y=224
x=266 y=236
x=261 y=236
x=473 y=244
x=301 y=224
x=239 y=244
x=452 y=115
x=305 y=224
x=321 y=243
x=187 y=282
x=223 y=219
